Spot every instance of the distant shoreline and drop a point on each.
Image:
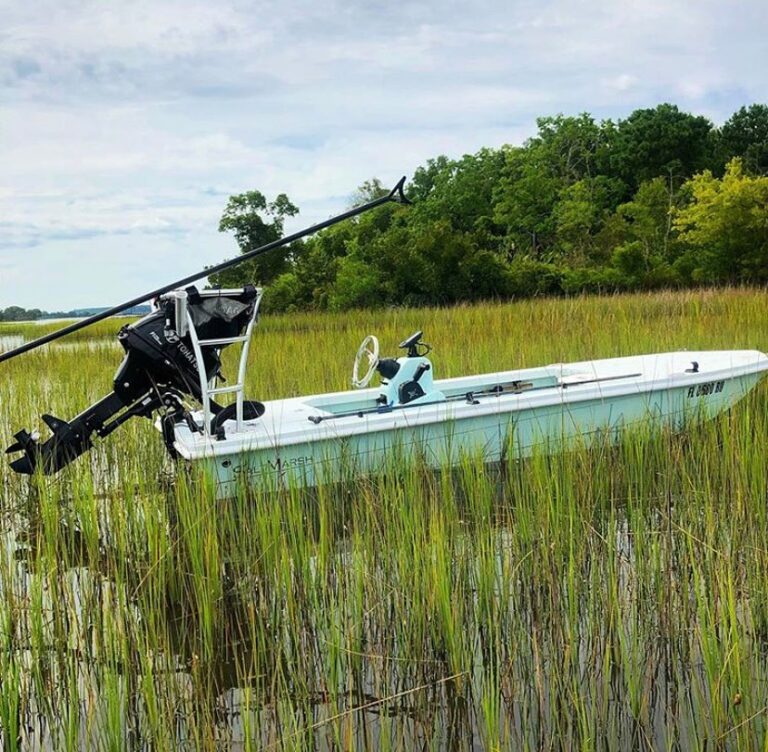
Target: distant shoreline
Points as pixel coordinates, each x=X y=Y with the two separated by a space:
x=61 y=319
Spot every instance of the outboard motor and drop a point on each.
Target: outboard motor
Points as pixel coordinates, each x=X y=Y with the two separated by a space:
x=160 y=367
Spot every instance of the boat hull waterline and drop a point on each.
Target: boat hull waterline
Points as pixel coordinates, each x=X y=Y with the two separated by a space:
x=311 y=440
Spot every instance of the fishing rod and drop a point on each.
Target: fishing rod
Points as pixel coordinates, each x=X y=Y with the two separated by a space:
x=469 y=398
x=395 y=195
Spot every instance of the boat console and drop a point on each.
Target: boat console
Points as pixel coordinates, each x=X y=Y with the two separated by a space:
x=404 y=380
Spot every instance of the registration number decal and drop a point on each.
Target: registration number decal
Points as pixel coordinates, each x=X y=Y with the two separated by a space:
x=704 y=390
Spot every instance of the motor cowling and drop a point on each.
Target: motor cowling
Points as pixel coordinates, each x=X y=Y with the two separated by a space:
x=156 y=356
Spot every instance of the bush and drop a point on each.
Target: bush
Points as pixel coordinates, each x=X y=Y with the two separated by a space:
x=528 y=277
x=662 y=275
x=282 y=294
x=629 y=259
x=357 y=286
x=599 y=280
x=487 y=274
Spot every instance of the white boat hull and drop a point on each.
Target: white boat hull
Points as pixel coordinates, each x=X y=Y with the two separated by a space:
x=323 y=438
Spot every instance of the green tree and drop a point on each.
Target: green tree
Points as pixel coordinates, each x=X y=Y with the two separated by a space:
x=255 y=222
x=580 y=213
x=565 y=151
x=358 y=285
x=583 y=205
x=425 y=178
x=726 y=226
x=571 y=147
x=745 y=135
x=525 y=198
x=646 y=228
x=459 y=191
x=284 y=294
x=316 y=265
x=15 y=313
x=660 y=142
x=370 y=190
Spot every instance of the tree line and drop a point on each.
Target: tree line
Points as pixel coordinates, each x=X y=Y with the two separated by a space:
x=662 y=198
x=17 y=313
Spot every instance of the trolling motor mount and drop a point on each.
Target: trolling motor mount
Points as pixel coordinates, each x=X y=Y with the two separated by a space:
x=170 y=354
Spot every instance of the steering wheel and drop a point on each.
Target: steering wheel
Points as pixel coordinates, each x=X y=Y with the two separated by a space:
x=368 y=351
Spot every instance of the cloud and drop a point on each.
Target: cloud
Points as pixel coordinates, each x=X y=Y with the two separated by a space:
x=125 y=125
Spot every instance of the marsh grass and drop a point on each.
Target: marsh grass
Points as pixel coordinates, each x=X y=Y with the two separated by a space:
x=613 y=596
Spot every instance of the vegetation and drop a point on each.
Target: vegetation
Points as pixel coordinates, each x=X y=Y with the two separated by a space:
x=661 y=199
x=17 y=313
x=609 y=598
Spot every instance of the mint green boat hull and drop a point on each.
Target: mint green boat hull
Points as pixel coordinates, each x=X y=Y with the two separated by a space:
x=549 y=418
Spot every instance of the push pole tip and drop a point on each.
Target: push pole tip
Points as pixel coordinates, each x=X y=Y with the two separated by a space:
x=397 y=194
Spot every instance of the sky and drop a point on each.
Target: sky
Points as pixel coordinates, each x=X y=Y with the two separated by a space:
x=124 y=126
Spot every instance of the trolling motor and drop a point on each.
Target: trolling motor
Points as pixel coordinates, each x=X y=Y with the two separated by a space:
x=172 y=353
x=161 y=367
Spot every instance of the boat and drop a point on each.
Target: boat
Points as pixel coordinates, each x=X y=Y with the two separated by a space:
x=324 y=438
x=171 y=374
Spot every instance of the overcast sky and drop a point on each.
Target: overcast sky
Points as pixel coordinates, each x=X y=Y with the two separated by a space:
x=124 y=126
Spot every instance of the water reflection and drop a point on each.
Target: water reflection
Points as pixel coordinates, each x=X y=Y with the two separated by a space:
x=10 y=341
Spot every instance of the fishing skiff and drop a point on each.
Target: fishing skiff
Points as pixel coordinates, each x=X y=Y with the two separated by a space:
x=325 y=437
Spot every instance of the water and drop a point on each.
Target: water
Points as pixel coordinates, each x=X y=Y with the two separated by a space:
x=9 y=341
x=383 y=695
